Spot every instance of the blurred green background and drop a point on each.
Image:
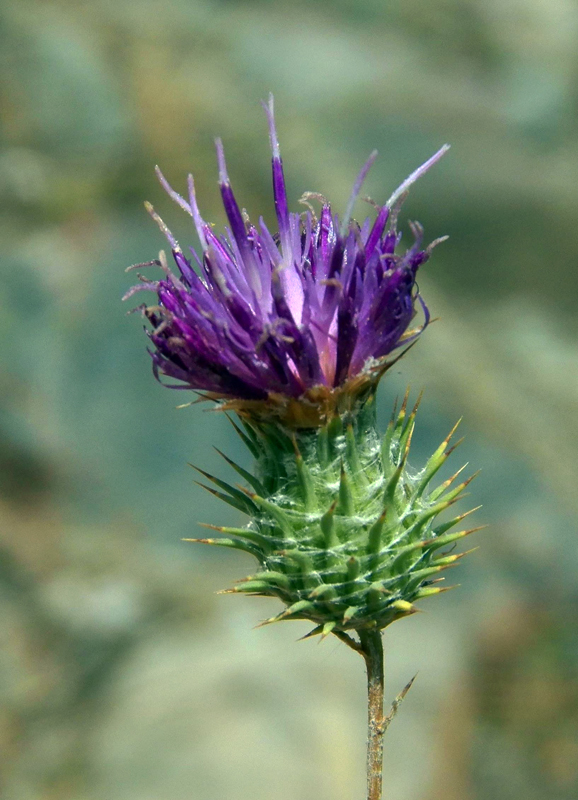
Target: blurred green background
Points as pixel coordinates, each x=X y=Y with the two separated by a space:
x=123 y=676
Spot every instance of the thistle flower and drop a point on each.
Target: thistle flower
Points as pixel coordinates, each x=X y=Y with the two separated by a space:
x=293 y=330
x=318 y=306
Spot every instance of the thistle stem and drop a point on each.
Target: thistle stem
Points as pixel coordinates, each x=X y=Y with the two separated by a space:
x=372 y=651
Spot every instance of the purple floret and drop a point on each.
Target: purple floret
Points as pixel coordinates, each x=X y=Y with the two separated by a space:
x=313 y=305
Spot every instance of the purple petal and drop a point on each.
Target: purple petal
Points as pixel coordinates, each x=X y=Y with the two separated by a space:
x=263 y=312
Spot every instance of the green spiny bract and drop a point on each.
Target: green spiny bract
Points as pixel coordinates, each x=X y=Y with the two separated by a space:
x=344 y=531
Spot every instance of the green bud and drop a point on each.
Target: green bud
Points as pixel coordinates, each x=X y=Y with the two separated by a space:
x=344 y=530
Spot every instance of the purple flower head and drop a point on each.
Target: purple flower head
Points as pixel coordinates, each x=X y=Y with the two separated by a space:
x=304 y=311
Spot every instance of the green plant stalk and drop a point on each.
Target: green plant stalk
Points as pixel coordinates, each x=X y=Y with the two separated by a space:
x=372 y=651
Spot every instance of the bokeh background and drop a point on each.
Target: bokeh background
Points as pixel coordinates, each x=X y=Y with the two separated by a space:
x=123 y=676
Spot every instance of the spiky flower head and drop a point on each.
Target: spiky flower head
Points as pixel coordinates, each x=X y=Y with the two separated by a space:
x=293 y=330
x=305 y=314
x=346 y=534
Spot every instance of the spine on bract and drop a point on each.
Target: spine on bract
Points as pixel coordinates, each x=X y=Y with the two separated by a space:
x=346 y=534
